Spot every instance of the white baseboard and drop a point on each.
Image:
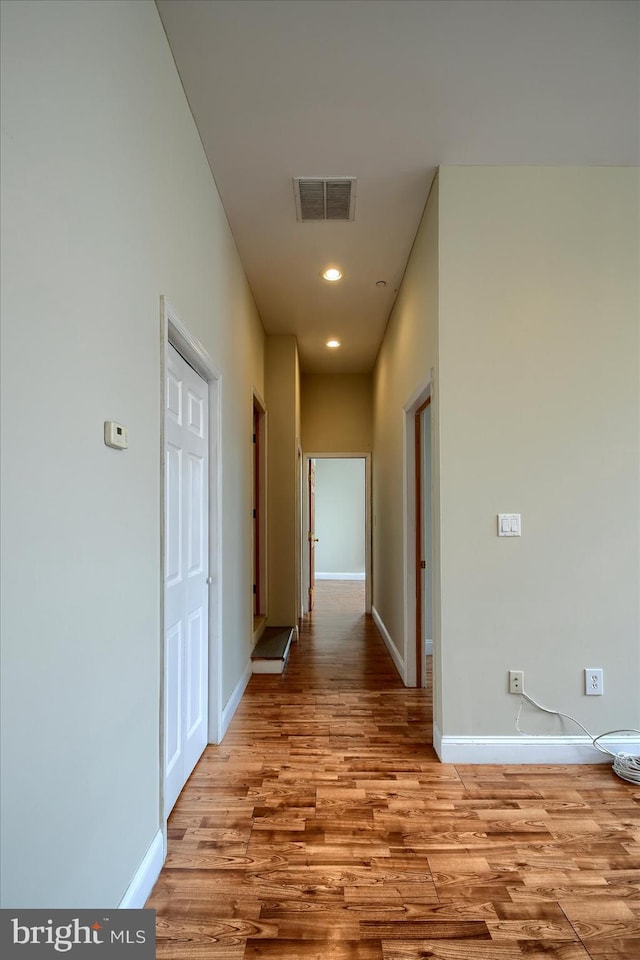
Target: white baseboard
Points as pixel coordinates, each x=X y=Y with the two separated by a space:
x=340 y=576
x=138 y=891
x=389 y=644
x=232 y=703
x=527 y=749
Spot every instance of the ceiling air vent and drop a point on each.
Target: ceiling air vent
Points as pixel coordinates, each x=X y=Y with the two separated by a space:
x=319 y=199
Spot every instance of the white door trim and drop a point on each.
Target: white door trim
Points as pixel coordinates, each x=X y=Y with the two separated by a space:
x=174 y=331
x=367 y=520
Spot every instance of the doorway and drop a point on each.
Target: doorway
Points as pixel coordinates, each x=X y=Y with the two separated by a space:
x=418 y=527
x=336 y=535
x=424 y=590
x=259 y=513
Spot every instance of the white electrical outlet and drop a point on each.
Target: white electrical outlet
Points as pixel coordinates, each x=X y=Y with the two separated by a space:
x=516 y=681
x=593 y=682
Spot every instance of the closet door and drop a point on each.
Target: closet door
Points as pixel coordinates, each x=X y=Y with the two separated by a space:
x=186 y=574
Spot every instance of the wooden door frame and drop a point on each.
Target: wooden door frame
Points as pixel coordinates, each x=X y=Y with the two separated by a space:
x=414 y=674
x=311 y=531
x=257 y=513
x=367 y=517
x=419 y=547
x=300 y=525
x=260 y=480
x=174 y=331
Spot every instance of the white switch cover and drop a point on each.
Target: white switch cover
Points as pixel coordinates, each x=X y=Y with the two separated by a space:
x=116 y=435
x=509 y=525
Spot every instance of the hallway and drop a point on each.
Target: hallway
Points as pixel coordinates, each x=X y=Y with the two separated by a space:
x=324 y=828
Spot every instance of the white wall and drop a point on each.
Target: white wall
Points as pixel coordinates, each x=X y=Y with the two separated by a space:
x=340 y=516
x=108 y=202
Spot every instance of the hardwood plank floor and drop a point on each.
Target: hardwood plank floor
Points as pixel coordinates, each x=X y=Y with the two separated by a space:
x=325 y=828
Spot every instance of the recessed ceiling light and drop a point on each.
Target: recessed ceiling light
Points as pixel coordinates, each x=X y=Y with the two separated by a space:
x=333 y=344
x=332 y=274
x=381 y=283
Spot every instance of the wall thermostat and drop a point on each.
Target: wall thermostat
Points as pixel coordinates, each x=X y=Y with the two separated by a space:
x=116 y=435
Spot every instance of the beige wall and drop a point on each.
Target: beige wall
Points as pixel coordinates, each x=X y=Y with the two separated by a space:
x=539 y=321
x=337 y=413
x=283 y=417
x=523 y=295
x=108 y=203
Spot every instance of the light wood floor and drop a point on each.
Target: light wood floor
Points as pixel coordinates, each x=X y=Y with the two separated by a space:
x=324 y=828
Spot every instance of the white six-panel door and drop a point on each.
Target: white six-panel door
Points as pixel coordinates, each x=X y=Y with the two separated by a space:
x=186 y=590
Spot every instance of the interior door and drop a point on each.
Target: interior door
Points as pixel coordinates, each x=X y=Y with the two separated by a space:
x=186 y=573
x=312 y=535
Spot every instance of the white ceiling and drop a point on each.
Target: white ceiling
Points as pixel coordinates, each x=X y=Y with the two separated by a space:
x=385 y=91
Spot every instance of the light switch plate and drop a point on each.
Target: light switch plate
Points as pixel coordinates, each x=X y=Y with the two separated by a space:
x=509 y=525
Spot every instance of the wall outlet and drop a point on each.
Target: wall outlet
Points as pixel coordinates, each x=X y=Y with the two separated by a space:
x=593 y=682
x=516 y=681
